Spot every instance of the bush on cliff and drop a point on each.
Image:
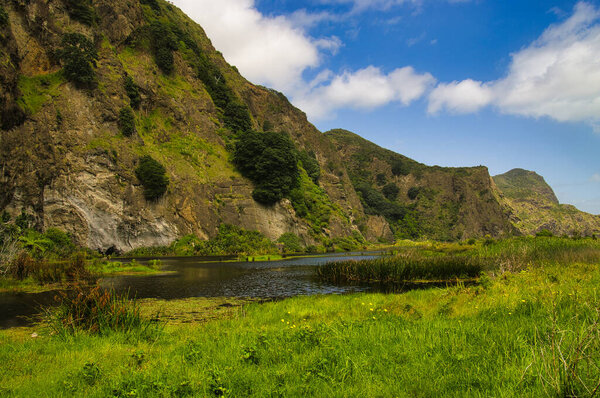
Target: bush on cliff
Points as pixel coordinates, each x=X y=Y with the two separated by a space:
x=153 y=177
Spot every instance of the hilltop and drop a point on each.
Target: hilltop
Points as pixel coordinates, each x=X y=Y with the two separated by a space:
x=535 y=207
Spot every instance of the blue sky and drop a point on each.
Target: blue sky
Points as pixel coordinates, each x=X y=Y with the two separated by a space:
x=503 y=84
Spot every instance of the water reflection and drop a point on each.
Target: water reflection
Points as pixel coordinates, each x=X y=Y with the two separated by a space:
x=190 y=277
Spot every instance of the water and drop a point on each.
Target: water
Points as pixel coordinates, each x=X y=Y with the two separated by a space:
x=188 y=277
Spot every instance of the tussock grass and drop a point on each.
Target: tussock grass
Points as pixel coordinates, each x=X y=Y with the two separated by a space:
x=96 y=311
x=447 y=261
x=404 y=267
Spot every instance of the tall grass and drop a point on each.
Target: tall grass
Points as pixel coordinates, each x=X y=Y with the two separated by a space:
x=97 y=311
x=46 y=271
x=449 y=261
x=405 y=267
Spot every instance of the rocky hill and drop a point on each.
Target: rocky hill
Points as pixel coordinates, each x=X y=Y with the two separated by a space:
x=92 y=90
x=419 y=200
x=534 y=206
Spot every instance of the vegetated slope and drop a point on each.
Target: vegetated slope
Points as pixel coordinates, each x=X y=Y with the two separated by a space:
x=419 y=200
x=534 y=206
x=89 y=88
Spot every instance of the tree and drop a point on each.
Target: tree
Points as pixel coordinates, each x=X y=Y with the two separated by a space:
x=3 y=17
x=153 y=177
x=78 y=56
x=82 y=11
x=310 y=164
x=400 y=168
x=413 y=192
x=163 y=45
x=270 y=161
x=133 y=92
x=237 y=117
x=390 y=191
x=127 y=122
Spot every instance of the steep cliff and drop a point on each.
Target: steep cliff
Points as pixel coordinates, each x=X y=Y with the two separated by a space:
x=419 y=200
x=90 y=87
x=534 y=206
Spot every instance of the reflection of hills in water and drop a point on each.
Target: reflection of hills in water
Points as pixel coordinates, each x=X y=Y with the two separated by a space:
x=263 y=279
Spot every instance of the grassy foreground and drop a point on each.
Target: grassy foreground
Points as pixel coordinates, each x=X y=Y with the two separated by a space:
x=528 y=333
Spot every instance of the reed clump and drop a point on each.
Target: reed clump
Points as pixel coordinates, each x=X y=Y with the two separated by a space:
x=405 y=267
x=97 y=311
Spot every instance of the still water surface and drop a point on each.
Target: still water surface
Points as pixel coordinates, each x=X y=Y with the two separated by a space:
x=189 y=277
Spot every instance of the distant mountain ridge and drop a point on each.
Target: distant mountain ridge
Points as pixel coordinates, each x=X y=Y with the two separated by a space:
x=535 y=207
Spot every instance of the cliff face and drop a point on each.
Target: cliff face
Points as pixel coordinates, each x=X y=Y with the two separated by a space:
x=433 y=202
x=534 y=206
x=65 y=161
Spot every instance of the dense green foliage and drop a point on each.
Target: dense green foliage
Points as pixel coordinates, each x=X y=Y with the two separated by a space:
x=381 y=179
x=270 y=161
x=291 y=242
x=133 y=92
x=230 y=240
x=390 y=191
x=310 y=164
x=152 y=3
x=237 y=117
x=78 y=56
x=312 y=204
x=163 y=43
x=400 y=168
x=127 y=122
x=81 y=10
x=413 y=192
x=153 y=177
x=3 y=17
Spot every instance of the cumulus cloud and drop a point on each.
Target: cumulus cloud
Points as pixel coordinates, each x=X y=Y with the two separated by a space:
x=556 y=76
x=460 y=97
x=255 y=43
x=366 y=89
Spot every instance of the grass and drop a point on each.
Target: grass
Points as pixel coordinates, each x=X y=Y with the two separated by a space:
x=405 y=267
x=501 y=339
x=113 y=268
x=446 y=261
x=37 y=90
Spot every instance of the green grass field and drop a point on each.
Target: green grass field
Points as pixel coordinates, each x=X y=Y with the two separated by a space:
x=528 y=333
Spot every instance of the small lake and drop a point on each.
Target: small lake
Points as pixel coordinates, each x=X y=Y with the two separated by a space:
x=193 y=277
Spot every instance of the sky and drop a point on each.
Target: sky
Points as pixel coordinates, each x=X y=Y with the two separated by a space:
x=499 y=83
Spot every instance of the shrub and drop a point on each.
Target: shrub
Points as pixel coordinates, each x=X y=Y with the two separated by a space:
x=3 y=17
x=544 y=233
x=413 y=192
x=400 y=168
x=310 y=165
x=78 y=56
x=82 y=11
x=152 y=3
x=163 y=44
x=381 y=179
x=390 y=191
x=133 y=92
x=153 y=177
x=237 y=117
x=291 y=242
x=269 y=160
x=127 y=122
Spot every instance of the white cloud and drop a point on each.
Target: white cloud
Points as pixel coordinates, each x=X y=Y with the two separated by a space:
x=256 y=43
x=557 y=76
x=460 y=97
x=595 y=178
x=366 y=89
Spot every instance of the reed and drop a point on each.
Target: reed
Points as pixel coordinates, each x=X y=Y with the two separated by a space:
x=405 y=267
x=97 y=311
